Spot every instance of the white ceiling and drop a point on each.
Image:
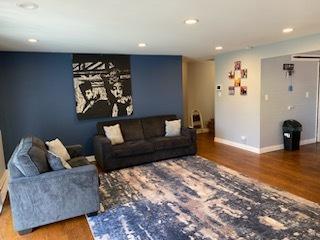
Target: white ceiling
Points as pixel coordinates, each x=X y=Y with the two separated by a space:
x=117 y=26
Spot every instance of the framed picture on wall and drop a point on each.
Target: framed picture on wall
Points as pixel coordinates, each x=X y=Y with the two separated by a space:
x=243 y=90
x=231 y=90
x=102 y=85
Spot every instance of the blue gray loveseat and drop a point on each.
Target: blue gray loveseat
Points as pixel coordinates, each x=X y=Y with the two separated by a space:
x=39 y=195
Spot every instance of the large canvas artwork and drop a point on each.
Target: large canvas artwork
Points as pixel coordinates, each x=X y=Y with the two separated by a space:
x=102 y=85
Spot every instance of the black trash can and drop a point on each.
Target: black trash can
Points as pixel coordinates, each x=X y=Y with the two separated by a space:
x=291 y=134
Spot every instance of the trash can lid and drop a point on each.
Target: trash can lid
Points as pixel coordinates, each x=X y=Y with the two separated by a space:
x=291 y=125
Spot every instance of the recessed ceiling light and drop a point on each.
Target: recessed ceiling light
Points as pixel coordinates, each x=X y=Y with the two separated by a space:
x=219 y=48
x=28 y=5
x=142 y=45
x=287 y=30
x=32 y=40
x=191 y=21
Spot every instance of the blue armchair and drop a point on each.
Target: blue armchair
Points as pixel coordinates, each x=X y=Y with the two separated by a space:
x=39 y=195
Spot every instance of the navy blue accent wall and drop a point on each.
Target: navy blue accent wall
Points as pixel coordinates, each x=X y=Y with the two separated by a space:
x=37 y=96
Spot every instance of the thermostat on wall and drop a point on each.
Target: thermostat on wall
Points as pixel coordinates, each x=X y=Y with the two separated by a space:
x=219 y=88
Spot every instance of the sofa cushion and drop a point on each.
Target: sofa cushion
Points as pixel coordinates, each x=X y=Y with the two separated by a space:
x=78 y=161
x=131 y=128
x=132 y=148
x=31 y=159
x=56 y=163
x=162 y=143
x=155 y=126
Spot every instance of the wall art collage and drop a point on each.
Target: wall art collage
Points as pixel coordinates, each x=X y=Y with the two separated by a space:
x=238 y=76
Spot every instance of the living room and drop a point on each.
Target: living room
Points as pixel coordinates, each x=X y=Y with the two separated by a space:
x=148 y=120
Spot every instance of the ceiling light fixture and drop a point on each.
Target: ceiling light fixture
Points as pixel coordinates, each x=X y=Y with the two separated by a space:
x=142 y=45
x=28 y=5
x=191 y=21
x=219 y=48
x=287 y=30
x=32 y=40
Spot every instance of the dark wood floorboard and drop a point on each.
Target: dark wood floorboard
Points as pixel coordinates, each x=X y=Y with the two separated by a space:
x=296 y=172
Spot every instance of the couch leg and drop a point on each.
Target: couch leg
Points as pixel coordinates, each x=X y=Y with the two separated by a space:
x=26 y=231
x=92 y=214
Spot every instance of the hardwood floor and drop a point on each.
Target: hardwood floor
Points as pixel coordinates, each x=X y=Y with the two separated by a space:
x=296 y=172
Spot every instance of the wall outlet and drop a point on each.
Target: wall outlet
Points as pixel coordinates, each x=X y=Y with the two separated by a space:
x=307 y=94
x=290 y=108
x=266 y=97
x=243 y=139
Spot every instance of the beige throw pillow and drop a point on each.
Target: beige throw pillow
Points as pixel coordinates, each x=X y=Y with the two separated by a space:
x=56 y=147
x=173 y=128
x=113 y=133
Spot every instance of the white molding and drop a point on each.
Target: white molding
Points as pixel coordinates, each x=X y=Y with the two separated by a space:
x=308 y=141
x=237 y=145
x=202 y=130
x=260 y=150
x=271 y=148
x=280 y=146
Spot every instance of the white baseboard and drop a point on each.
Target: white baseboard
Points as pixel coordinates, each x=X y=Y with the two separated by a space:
x=237 y=145
x=202 y=130
x=280 y=146
x=260 y=150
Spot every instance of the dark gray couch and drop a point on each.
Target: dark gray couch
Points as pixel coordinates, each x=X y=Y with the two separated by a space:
x=144 y=142
x=39 y=195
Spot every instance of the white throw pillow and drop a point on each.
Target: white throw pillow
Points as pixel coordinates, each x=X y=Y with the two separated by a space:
x=113 y=133
x=56 y=147
x=173 y=128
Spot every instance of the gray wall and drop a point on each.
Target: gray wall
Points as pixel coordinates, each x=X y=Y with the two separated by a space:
x=240 y=116
x=275 y=110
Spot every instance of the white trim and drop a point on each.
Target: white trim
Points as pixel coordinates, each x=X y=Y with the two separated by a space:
x=260 y=150
x=308 y=141
x=202 y=130
x=280 y=146
x=271 y=148
x=237 y=145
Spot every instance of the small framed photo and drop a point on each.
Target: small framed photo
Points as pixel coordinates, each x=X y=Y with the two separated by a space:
x=231 y=75
x=237 y=65
x=244 y=73
x=231 y=90
x=237 y=82
x=243 y=90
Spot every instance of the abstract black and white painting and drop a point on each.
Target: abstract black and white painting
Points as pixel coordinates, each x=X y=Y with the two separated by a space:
x=102 y=85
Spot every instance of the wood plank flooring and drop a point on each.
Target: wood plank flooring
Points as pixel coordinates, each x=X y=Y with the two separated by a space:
x=296 y=172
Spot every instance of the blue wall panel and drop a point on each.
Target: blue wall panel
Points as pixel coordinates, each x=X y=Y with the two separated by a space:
x=37 y=96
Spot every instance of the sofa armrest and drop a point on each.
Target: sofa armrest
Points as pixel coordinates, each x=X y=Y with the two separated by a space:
x=53 y=196
x=192 y=134
x=102 y=149
x=75 y=150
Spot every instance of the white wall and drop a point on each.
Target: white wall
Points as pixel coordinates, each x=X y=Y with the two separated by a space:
x=274 y=111
x=200 y=88
x=240 y=116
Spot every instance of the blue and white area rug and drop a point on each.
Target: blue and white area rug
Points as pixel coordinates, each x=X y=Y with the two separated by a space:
x=192 y=198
